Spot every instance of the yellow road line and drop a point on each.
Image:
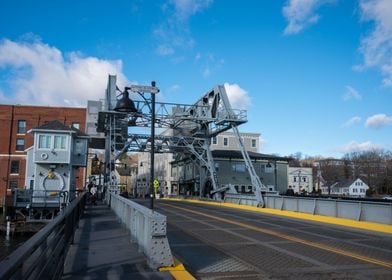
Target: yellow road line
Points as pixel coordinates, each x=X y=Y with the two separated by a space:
x=178 y=271
x=384 y=228
x=291 y=238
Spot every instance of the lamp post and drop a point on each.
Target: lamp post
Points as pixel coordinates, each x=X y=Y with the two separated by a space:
x=152 y=158
x=126 y=105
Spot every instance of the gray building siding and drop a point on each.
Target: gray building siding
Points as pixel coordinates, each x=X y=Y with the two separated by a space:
x=232 y=171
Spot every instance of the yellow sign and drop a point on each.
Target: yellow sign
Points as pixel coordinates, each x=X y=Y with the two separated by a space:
x=156 y=183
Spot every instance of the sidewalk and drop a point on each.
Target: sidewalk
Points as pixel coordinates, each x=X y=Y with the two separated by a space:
x=102 y=250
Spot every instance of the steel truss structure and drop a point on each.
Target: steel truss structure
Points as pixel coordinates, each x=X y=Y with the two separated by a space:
x=186 y=130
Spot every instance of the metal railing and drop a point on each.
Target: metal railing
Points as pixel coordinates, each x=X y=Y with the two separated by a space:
x=147 y=228
x=39 y=198
x=378 y=212
x=43 y=255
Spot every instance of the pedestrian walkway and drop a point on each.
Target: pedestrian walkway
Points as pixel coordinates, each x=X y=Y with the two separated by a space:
x=102 y=250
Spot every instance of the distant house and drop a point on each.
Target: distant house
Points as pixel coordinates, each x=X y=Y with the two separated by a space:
x=300 y=179
x=353 y=188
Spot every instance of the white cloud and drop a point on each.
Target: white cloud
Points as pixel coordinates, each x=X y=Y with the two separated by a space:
x=376 y=47
x=210 y=64
x=352 y=121
x=206 y=72
x=354 y=146
x=301 y=14
x=186 y=8
x=238 y=97
x=164 y=50
x=351 y=93
x=44 y=75
x=198 y=56
x=173 y=34
x=174 y=89
x=378 y=121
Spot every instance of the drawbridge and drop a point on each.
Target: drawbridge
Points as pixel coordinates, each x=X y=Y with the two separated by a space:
x=185 y=130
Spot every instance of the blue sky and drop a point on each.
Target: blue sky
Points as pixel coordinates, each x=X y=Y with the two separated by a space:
x=314 y=75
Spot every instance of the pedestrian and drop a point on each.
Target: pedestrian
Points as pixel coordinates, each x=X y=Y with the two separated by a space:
x=93 y=192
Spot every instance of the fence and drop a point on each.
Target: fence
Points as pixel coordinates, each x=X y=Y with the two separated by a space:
x=147 y=228
x=379 y=212
x=43 y=255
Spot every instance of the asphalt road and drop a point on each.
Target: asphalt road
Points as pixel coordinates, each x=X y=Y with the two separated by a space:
x=222 y=243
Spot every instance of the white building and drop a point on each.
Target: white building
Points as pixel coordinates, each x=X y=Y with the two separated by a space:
x=300 y=179
x=353 y=188
x=162 y=172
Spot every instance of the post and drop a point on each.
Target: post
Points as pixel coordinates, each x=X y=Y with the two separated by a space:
x=299 y=182
x=152 y=148
x=276 y=177
x=99 y=179
x=7 y=237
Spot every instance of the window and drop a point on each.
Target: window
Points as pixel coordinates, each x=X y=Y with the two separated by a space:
x=13 y=185
x=21 y=127
x=15 y=166
x=355 y=190
x=238 y=167
x=76 y=125
x=20 y=144
x=214 y=140
x=225 y=141
x=216 y=166
x=79 y=147
x=304 y=179
x=44 y=142
x=253 y=143
x=60 y=142
x=295 y=179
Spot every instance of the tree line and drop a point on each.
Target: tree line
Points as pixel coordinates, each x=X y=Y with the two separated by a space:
x=373 y=167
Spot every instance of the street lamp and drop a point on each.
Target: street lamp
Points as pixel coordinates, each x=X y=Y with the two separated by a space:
x=126 y=105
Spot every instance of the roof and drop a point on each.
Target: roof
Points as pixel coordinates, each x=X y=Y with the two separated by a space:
x=122 y=171
x=252 y=155
x=344 y=183
x=58 y=126
x=232 y=154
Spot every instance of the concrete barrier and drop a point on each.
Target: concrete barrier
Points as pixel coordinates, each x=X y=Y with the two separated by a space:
x=147 y=228
x=378 y=212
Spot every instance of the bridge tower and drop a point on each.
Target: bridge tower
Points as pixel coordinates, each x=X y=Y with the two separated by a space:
x=187 y=130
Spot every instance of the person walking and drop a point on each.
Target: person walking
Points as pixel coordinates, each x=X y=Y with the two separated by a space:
x=93 y=192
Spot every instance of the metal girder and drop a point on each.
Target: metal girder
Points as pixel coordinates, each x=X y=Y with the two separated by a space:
x=188 y=129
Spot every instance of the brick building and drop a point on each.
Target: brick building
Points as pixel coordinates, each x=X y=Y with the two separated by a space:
x=15 y=122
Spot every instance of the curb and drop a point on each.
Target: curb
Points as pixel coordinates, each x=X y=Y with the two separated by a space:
x=178 y=271
x=370 y=226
